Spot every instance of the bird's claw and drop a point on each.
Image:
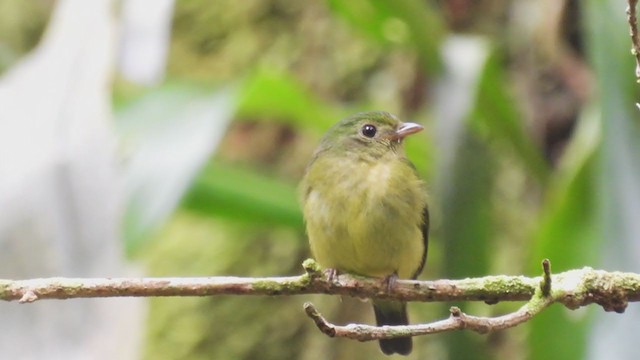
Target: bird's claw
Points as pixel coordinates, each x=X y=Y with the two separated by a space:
x=390 y=281
x=331 y=274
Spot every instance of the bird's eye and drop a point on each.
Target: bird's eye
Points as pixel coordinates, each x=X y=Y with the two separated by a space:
x=369 y=130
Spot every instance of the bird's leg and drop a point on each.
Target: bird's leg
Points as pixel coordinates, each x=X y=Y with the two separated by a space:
x=331 y=274
x=390 y=281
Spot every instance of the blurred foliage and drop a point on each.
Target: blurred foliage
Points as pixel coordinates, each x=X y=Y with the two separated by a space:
x=467 y=214
x=168 y=134
x=529 y=164
x=282 y=96
x=569 y=232
x=216 y=327
x=497 y=116
x=243 y=195
x=407 y=22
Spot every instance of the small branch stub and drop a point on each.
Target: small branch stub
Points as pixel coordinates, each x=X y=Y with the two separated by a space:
x=321 y=323
x=311 y=268
x=545 y=284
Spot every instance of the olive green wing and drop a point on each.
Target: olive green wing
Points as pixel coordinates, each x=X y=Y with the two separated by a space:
x=425 y=239
x=424 y=227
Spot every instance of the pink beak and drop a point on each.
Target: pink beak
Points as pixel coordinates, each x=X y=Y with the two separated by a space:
x=407 y=129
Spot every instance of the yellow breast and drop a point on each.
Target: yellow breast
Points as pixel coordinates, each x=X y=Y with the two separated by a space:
x=365 y=218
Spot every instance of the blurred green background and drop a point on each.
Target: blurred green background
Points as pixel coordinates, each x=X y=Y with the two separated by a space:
x=530 y=152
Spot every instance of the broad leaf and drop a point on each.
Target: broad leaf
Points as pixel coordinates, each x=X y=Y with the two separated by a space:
x=168 y=135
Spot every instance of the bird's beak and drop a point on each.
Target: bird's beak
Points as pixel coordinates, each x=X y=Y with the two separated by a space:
x=407 y=129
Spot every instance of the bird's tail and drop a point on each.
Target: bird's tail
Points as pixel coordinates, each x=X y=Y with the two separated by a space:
x=393 y=313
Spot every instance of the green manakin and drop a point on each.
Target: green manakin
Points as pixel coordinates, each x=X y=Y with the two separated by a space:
x=365 y=208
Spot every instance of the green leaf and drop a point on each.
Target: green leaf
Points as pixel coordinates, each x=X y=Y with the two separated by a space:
x=270 y=94
x=366 y=17
x=168 y=134
x=497 y=116
x=409 y=22
x=467 y=227
x=568 y=233
x=244 y=195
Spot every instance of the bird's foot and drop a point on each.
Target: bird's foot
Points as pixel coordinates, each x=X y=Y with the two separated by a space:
x=331 y=274
x=389 y=281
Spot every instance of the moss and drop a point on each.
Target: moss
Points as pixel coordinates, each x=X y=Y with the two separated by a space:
x=508 y=284
x=273 y=288
x=4 y=286
x=311 y=266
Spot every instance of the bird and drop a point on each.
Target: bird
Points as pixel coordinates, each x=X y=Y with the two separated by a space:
x=365 y=208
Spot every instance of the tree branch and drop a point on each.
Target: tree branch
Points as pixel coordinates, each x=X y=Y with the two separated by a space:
x=573 y=289
x=314 y=281
x=456 y=321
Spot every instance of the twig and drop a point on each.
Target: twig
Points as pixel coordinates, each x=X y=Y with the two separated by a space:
x=456 y=321
x=633 y=31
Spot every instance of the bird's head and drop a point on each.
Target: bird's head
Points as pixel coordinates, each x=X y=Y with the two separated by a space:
x=373 y=133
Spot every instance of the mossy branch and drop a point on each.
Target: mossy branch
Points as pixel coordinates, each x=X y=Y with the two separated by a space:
x=575 y=288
